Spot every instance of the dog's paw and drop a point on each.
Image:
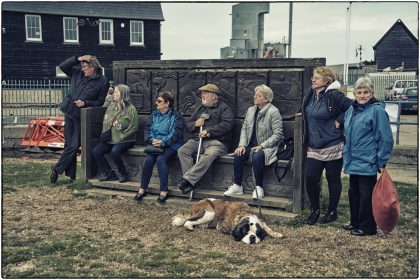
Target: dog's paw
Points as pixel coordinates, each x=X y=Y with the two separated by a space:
x=277 y=235
x=188 y=225
x=178 y=221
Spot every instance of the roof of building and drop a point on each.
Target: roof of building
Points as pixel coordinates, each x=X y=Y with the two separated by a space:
x=398 y=22
x=127 y=10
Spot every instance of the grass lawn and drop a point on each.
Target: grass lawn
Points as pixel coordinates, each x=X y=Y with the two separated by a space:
x=60 y=231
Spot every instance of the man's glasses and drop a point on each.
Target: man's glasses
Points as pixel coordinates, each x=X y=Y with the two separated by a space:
x=160 y=101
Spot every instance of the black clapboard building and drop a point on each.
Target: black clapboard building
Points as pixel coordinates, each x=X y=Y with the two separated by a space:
x=37 y=36
x=398 y=47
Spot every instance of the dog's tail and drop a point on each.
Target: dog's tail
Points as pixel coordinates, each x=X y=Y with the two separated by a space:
x=179 y=220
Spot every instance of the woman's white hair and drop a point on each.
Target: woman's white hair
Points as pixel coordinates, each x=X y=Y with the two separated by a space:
x=265 y=91
x=364 y=82
x=125 y=96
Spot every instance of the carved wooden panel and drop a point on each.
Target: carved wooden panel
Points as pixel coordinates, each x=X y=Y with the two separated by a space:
x=164 y=80
x=287 y=89
x=188 y=84
x=226 y=81
x=140 y=89
x=247 y=81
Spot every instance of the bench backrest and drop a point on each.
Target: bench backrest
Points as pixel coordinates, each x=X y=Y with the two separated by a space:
x=288 y=126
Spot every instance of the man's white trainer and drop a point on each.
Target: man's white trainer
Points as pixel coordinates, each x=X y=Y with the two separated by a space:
x=234 y=189
x=260 y=192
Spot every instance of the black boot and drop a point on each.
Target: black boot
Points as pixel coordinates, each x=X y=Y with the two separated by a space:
x=329 y=217
x=108 y=176
x=313 y=217
x=185 y=186
x=122 y=176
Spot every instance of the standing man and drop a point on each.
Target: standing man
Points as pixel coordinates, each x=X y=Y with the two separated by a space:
x=88 y=88
x=216 y=121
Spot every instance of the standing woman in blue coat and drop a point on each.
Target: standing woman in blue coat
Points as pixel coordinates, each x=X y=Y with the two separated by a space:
x=164 y=130
x=323 y=114
x=368 y=148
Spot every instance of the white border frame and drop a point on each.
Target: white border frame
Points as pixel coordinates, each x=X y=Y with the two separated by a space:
x=64 y=31
x=142 y=33
x=40 y=28
x=107 y=42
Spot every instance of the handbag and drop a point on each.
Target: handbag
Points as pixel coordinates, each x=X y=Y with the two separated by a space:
x=107 y=135
x=150 y=149
x=284 y=152
x=385 y=204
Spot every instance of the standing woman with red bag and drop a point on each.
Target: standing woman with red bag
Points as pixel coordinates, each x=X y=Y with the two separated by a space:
x=367 y=150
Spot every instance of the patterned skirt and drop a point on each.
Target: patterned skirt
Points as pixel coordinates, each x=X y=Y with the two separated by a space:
x=326 y=154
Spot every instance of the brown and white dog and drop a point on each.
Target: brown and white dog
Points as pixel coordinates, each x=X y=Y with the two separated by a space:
x=235 y=218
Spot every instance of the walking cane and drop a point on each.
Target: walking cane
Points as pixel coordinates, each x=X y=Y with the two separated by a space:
x=205 y=117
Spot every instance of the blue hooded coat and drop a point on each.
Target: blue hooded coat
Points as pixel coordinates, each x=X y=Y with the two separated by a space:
x=369 y=140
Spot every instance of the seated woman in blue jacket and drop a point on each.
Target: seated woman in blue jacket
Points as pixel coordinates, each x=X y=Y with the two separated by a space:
x=164 y=130
x=367 y=150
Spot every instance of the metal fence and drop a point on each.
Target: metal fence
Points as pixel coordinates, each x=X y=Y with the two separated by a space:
x=383 y=79
x=395 y=119
x=23 y=100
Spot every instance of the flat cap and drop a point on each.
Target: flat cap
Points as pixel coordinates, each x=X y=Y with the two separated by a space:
x=210 y=88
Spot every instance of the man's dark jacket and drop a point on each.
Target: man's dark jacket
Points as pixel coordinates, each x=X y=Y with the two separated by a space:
x=219 y=125
x=90 y=90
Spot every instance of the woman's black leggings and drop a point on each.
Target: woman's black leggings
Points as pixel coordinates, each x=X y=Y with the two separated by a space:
x=314 y=170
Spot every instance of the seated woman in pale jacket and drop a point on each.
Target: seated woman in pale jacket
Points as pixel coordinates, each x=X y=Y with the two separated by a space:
x=261 y=134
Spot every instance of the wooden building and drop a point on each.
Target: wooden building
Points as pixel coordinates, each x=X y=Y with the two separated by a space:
x=37 y=36
x=398 y=47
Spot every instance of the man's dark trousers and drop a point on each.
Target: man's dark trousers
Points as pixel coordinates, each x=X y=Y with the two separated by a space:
x=68 y=159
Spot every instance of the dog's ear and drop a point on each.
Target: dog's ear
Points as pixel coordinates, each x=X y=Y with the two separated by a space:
x=241 y=229
x=261 y=233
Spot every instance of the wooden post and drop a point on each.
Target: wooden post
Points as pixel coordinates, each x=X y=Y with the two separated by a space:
x=298 y=166
x=91 y=128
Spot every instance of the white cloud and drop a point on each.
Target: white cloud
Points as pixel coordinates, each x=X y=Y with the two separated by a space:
x=199 y=30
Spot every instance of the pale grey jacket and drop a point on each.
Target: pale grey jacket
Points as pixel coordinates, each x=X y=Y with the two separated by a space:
x=269 y=130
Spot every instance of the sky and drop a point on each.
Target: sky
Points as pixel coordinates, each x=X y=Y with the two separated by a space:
x=197 y=30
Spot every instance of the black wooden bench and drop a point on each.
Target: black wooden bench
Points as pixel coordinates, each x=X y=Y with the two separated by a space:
x=286 y=195
x=288 y=78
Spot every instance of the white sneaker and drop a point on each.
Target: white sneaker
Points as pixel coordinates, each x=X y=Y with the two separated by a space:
x=234 y=189
x=260 y=192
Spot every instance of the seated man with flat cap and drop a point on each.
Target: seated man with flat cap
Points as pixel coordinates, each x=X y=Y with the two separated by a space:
x=212 y=122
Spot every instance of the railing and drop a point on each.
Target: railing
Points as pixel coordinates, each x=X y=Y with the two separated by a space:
x=398 y=121
x=26 y=99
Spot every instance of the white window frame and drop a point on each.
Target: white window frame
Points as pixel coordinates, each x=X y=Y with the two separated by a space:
x=101 y=40
x=131 y=32
x=64 y=30
x=40 y=28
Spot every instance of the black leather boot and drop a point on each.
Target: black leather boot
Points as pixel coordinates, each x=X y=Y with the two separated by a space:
x=313 y=217
x=185 y=186
x=122 y=176
x=329 y=217
x=108 y=176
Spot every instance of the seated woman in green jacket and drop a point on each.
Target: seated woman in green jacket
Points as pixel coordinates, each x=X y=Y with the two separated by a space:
x=122 y=119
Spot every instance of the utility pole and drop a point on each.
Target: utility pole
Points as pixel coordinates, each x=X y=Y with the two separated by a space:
x=289 y=53
x=346 y=63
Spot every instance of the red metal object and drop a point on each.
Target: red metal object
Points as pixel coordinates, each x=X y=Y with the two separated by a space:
x=44 y=132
